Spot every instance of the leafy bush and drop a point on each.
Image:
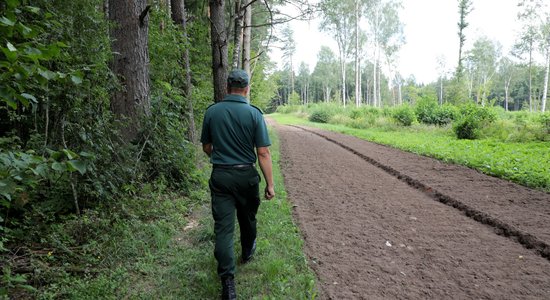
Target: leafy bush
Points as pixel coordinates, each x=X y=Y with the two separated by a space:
x=545 y=121
x=320 y=116
x=287 y=109
x=429 y=112
x=425 y=110
x=404 y=115
x=444 y=115
x=472 y=119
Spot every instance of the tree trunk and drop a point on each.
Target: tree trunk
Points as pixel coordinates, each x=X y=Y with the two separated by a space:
x=546 y=75
x=357 y=72
x=441 y=91
x=247 y=37
x=238 y=36
x=374 y=80
x=218 y=37
x=131 y=62
x=180 y=17
x=530 y=77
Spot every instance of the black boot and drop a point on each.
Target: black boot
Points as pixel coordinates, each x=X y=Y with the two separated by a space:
x=249 y=253
x=228 y=289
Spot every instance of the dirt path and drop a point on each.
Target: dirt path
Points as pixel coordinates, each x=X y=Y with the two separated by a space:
x=383 y=224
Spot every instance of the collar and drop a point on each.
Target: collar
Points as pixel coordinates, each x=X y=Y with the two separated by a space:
x=235 y=98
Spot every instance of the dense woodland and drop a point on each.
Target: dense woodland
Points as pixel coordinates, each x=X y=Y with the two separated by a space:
x=100 y=102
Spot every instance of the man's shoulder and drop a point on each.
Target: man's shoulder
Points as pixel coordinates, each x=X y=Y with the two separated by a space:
x=258 y=109
x=212 y=107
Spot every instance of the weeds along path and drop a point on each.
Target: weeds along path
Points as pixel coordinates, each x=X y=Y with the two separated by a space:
x=372 y=229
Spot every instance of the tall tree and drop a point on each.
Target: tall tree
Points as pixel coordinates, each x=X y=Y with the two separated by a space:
x=441 y=70
x=326 y=72
x=483 y=58
x=180 y=18
x=130 y=44
x=358 y=10
x=303 y=80
x=507 y=71
x=387 y=37
x=289 y=49
x=247 y=37
x=218 y=35
x=464 y=8
x=337 y=20
x=530 y=15
x=545 y=47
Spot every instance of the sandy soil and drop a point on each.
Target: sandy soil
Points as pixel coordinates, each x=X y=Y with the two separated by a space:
x=380 y=223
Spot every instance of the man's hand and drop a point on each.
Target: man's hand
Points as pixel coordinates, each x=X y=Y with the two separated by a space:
x=269 y=192
x=207 y=148
x=264 y=158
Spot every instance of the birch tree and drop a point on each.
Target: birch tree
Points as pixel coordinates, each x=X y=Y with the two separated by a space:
x=531 y=19
x=289 y=49
x=337 y=20
x=507 y=71
x=545 y=48
x=179 y=17
x=326 y=71
x=387 y=37
x=483 y=57
x=464 y=8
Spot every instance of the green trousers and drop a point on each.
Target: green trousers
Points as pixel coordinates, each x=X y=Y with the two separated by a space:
x=233 y=190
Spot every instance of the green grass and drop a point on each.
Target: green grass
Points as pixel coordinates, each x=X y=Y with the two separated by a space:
x=526 y=163
x=147 y=254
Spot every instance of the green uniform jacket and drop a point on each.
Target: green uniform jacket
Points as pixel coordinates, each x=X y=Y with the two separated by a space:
x=234 y=128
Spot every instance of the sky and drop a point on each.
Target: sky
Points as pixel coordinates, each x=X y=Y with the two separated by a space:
x=430 y=29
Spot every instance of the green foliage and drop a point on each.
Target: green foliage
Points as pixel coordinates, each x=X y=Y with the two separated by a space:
x=472 y=119
x=425 y=109
x=294 y=99
x=320 y=116
x=10 y=281
x=545 y=121
x=287 y=109
x=429 y=112
x=404 y=115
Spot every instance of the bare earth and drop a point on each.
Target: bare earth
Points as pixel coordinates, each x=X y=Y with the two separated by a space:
x=380 y=223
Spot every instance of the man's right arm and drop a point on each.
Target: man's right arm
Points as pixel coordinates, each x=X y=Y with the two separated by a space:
x=264 y=159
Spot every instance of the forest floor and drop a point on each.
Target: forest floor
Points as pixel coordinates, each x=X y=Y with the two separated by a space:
x=380 y=223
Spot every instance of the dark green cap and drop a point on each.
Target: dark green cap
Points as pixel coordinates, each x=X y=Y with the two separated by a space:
x=237 y=78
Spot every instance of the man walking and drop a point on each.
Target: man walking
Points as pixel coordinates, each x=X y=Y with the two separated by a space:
x=231 y=130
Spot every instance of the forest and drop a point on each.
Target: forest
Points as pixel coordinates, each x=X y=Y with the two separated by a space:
x=101 y=103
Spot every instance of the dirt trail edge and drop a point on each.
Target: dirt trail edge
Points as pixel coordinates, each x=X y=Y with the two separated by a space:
x=372 y=229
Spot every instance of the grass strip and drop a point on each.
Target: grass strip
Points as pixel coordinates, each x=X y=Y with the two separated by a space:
x=525 y=163
x=171 y=257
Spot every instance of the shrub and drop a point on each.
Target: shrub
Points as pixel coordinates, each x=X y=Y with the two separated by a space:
x=545 y=120
x=429 y=112
x=472 y=119
x=287 y=109
x=444 y=115
x=404 y=115
x=320 y=116
x=425 y=110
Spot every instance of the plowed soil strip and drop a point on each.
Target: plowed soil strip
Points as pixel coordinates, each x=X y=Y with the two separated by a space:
x=501 y=227
x=370 y=235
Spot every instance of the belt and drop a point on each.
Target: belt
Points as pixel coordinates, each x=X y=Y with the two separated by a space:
x=242 y=166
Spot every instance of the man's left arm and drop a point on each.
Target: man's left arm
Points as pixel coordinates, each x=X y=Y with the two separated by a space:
x=207 y=148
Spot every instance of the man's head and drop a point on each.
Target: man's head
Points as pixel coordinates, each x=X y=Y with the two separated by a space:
x=237 y=82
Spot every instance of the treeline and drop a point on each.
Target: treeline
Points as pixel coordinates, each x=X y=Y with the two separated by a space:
x=515 y=81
